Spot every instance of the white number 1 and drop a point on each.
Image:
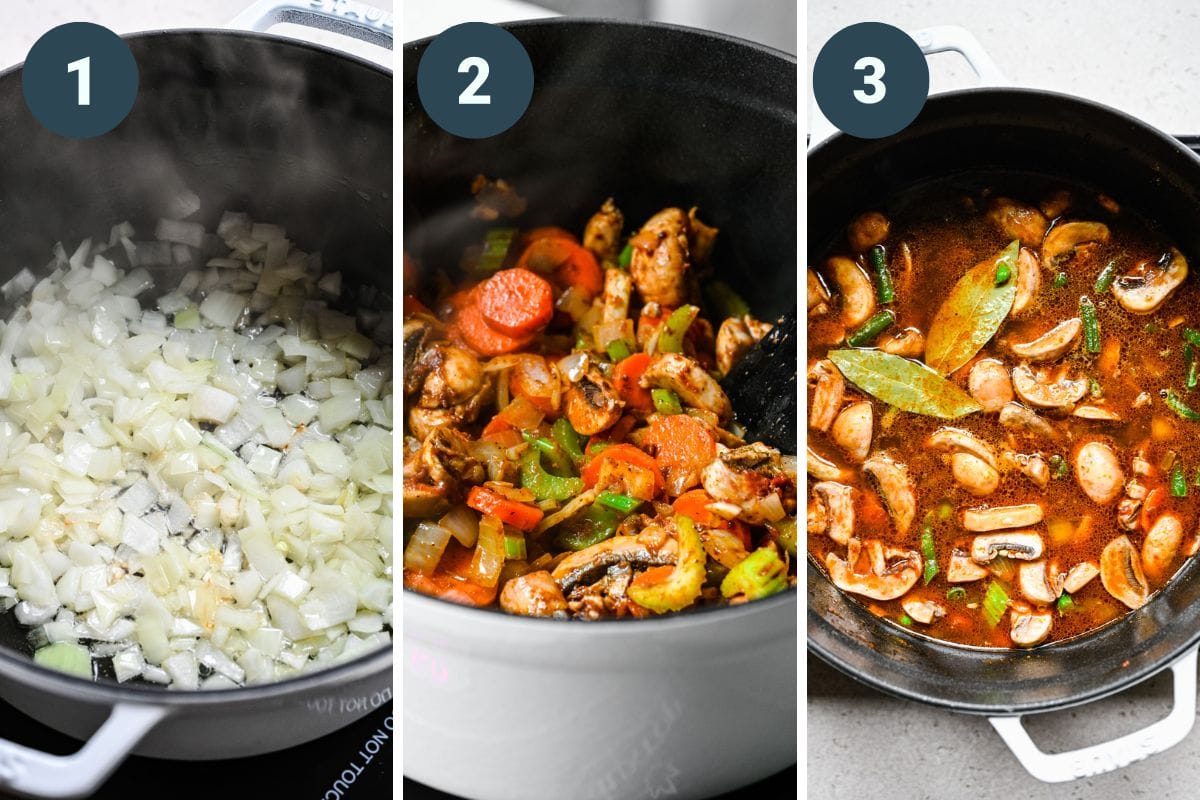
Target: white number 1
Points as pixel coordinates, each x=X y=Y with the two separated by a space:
x=878 y=90
x=84 y=67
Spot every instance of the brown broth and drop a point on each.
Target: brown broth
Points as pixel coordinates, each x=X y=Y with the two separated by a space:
x=945 y=227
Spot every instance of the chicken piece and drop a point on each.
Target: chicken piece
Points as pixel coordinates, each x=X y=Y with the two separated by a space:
x=662 y=257
x=702 y=238
x=535 y=594
x=752 y=478
x=735 y=337
x=602 y=234
x=453 y=376
x=689 y=380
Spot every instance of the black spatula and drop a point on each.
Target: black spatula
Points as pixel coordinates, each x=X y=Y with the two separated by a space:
x=762 y=387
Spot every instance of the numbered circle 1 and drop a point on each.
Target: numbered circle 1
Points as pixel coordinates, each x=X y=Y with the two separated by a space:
x=871 y=80
x=80 y=80
x=475 y=80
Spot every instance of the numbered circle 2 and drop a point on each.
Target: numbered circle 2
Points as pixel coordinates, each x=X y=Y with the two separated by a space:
x=80 y=80
x=475 y=80
x=871 y=80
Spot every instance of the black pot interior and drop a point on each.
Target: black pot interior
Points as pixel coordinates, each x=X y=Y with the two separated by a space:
x=1007 y=131
x=293 y=134
x=652 y=116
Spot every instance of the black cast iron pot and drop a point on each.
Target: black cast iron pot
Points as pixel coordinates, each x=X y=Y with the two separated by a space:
x=990 y=130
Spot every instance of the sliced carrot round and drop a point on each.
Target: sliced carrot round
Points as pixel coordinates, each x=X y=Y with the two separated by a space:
x=694 y=505
x=682 y=446
x=475 y=332
x=516 y=302
x=621 y=452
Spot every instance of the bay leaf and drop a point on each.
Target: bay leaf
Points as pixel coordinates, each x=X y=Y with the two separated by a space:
x=972 y=313
x=907 y=385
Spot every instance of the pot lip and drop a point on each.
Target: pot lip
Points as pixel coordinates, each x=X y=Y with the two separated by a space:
x=604 y=22
x=1044 y=94
x=238 y=34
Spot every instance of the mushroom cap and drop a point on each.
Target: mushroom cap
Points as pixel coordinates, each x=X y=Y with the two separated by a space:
x=1121 y=572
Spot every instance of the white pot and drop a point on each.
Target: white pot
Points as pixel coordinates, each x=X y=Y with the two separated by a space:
x=511 y=708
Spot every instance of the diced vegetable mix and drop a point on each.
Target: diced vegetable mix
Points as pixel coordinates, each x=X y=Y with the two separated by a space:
x=568 y=448
x=195 y=480
x=996 y=457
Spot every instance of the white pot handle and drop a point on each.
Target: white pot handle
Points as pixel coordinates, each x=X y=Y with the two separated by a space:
x=938 y=39
x=347 y=17
x=1108 y=756
x=26 y=771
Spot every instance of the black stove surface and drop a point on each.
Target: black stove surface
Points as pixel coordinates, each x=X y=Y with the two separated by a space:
x=334 y=767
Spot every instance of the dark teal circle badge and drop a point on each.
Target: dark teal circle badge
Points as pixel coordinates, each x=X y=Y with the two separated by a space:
x=475 y=80
x=871 y=80
x=80 y=80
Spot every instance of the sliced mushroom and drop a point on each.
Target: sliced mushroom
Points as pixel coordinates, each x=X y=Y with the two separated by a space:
x=1017 y=417
x=1144 y=291
x=867 y=230
x=1062 y=240
x=989 y=384
x=818 y=295
x=1031 y=465
x=909 y=343
x=535 y=594
x=922 y=611
x=1098 y=472
x=1053 y=344
x=1017 y=221
x=1121 y=572
x=828 y=389
x=1025 y=545
x=1002 y=517
x=1039 y=582
x=956 y=439
x=1041 y=390
x=1030 y=627
x=822 y=468
x=645 y=549
x=974 y=474
x=1029 y=280
x=893 y=572
x=855 y=288
x=1097 y=413
x=963 y=570
x=895 y=489
x=1160 y=546
x=689 y=380
x=818 y=515
x=852 y=430
x=1079 y=576
x=838 y=500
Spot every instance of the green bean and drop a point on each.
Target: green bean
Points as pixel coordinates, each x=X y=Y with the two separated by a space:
x=1060 y=280
x=956 y=593
x=884 y=291
x=1178 y=481
x=1091 y=325
x=1179 y=407
x=1065 y=603
x=1003 y=273
x=927 y=549
x=1192 y=378
x=1191 y=336
x=906 y=620
x=870 y=330
x=1106 y=277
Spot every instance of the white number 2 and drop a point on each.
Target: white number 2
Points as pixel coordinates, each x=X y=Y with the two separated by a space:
x=878 y=90
x=468 y=96
x=84 y=67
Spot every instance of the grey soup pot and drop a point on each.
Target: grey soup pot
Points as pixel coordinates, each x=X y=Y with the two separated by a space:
x=294 y=134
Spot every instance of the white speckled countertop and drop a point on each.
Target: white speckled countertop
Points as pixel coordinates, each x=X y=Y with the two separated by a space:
x=1140 y=57
x=26 y=20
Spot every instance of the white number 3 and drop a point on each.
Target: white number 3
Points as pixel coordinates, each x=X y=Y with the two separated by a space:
x=468 y=96
x=84 y=67
x=878 y=90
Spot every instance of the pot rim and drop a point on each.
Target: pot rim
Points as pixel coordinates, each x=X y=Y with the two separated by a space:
x=825 y=638
x=25 y=671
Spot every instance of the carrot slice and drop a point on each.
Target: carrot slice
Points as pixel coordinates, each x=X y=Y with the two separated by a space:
x=626 y=375
x=519 y=515
x=450 y=582
x=621 y=452
x=582 y=272
x=475 y=332
x=569 y=262
x=516 y=302
x=694 y=505
x=682 y=446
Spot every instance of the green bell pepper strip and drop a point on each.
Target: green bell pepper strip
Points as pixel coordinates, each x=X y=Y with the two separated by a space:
x=618 y=502
x=565 y=436
x=670 y=340
x=544 y=485
x=597 y=524
x=665 y=401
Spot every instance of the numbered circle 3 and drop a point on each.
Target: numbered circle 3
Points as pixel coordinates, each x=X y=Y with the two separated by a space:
x=475 y=80
x=80 y=80
x=871 y=80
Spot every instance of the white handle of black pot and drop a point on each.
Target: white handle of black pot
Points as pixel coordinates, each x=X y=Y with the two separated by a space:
x=937 y=39
x=32 y=773
x=346 y=17
x=1113 y=755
